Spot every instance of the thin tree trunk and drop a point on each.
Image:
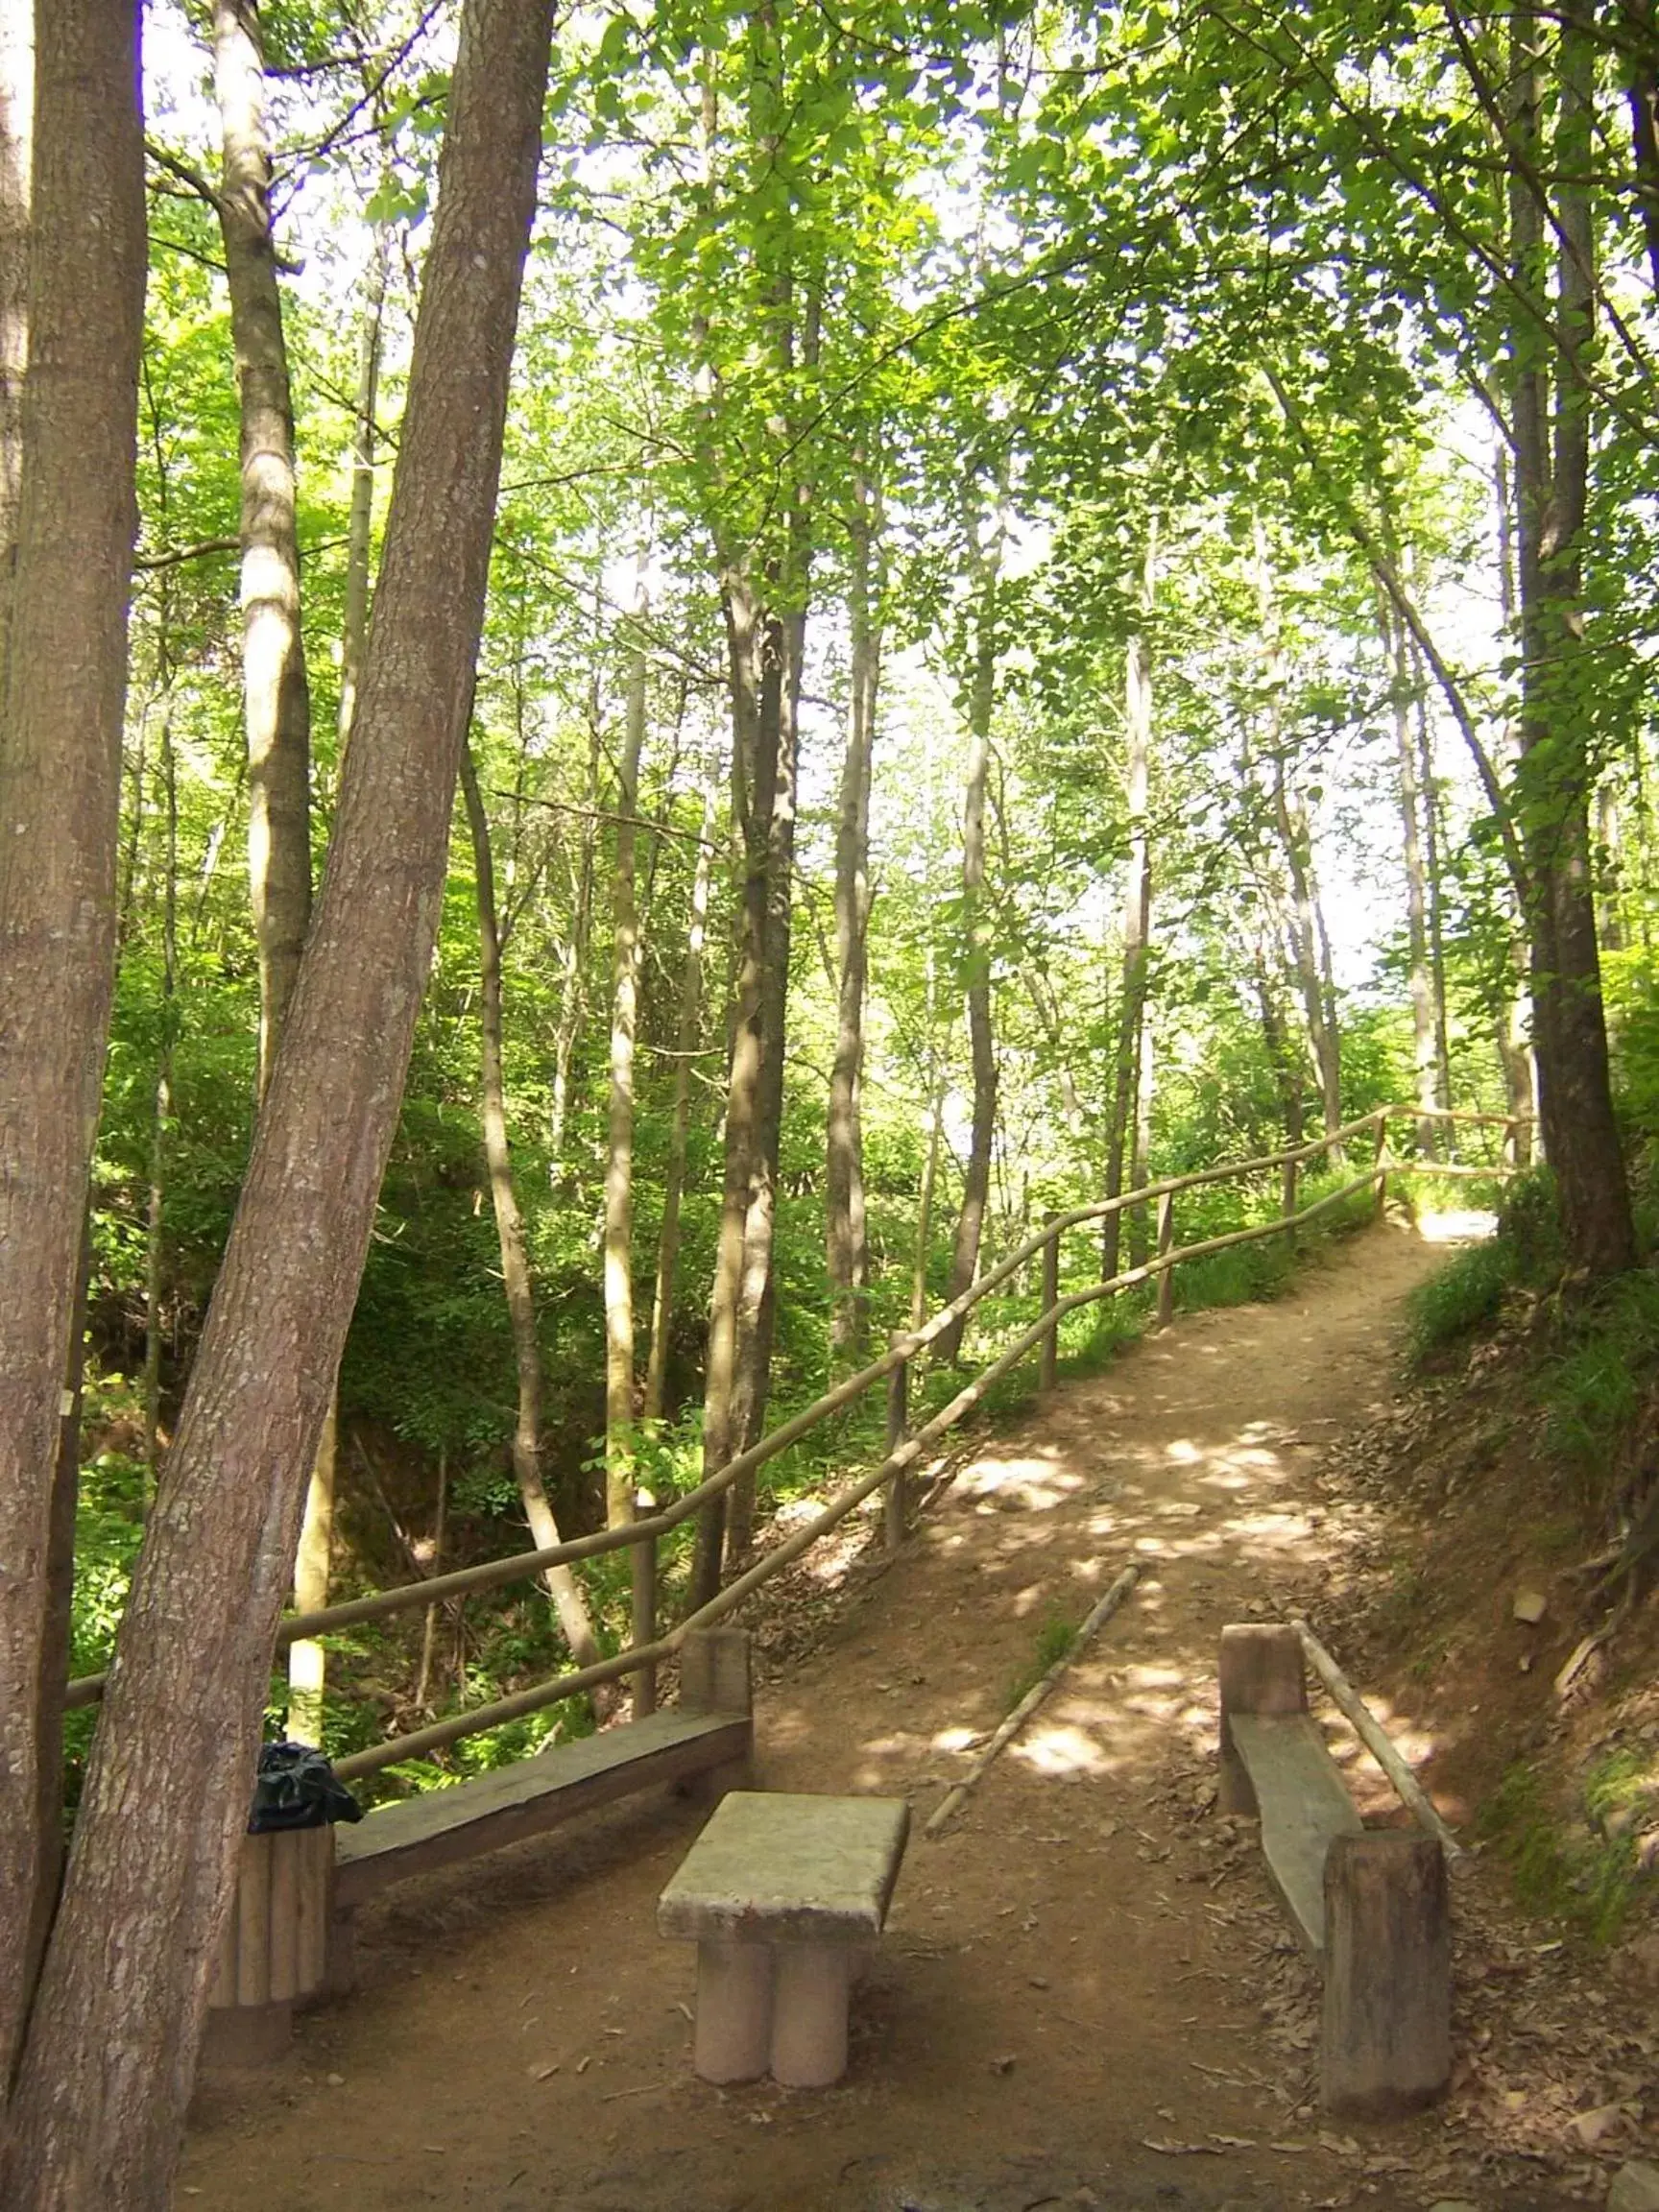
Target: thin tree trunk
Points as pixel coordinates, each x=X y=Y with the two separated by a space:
x=843 y=1226
x=434 y=1566
x=619 y=1160
x=976 y=945
x=756 y=732
x=573 y=963
x=1425 y=1051
x=277 y=703
x=687 y=1034
x=359 y=525
x=165 y=1803
x=154 y=1257
x=563 y=1587
x=1429 y=784
x=1552 y=466
x=1145 y=1084
x=64 y=690
x=1138 y=705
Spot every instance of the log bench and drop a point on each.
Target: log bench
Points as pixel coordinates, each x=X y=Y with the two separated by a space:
x=1368 y=1906
x=290 y=1937
x=779 y=1894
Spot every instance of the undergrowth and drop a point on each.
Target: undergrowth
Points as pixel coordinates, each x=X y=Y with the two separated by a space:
x=1056 y=1637
x=1581 y=1868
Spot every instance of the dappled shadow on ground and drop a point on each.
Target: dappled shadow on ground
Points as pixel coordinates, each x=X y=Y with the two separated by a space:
x=1085 y=1996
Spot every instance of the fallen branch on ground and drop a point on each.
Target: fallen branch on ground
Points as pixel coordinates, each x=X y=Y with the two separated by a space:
x=954 y=1798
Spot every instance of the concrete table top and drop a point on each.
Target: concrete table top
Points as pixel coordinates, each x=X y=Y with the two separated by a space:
x=773 y=1867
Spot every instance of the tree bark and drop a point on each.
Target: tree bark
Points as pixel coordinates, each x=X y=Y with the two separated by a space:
x=563 y=1587
x=154 y=1861
x=687 y=1034
x=619 y=1477
x=154 y=1254
x=843 y=1228
x=1553 y=775
x=65 y=691
x=977 y=941
x=277 y=702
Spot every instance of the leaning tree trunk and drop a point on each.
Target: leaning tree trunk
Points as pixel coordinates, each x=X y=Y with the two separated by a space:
x=620 y=1479
x=64 y=690
x=1553 y=773
x=360 y=519
x=843 y=1226
x=562 y=1586
x=158 y=1838
x=977 y=952
x=687 y=1034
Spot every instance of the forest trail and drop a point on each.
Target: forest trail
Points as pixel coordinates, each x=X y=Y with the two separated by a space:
x=1087 y=1996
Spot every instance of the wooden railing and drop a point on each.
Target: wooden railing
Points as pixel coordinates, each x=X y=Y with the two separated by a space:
x=904 y=1446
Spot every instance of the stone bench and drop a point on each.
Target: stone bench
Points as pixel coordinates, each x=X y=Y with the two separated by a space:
x=289 y=1938
x=779 y=1894
x=1369 y=1907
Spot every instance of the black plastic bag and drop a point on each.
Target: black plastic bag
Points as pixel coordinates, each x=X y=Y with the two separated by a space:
x=296 y=1788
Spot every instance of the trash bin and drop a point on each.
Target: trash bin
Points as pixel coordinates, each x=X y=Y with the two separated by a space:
x=273 y=1949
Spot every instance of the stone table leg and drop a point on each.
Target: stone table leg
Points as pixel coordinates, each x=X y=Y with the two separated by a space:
x=734 y=2034
x=810 y=2016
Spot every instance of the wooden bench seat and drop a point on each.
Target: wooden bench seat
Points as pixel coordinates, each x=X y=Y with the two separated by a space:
x=1369 y=1907
x=292 y=1886
x=1303 y=1807
x=777 y=1894
x=528 y=1798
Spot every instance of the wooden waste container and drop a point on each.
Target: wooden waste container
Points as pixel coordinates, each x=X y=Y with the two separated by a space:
x=273 y=1954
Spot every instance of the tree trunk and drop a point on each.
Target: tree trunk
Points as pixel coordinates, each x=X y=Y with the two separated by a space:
x=1433 y=845
x=687 y=1034
x=16 y=110
x=976 y=944
x=619 y=1477
x=573 y=963
x=756 y=732
x=65 y=683
x=1425 y=1051
x=1138 y=705
x=1552 y=777
x=563 y=1587
x=157 y=1845
x=843 y=1226
x=154 y=1254
x=359 y=526
x=277 y=702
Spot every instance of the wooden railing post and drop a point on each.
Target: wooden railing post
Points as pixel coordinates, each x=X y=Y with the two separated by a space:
x=1289 y=1175
x=642 y=1559
x=1049 y=1373
x=1381 y=1162
x=898 y=1430
x=1165 y=1245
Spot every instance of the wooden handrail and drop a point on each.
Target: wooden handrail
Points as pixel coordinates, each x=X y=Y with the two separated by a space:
x=845 y=1502
x=524 y=1566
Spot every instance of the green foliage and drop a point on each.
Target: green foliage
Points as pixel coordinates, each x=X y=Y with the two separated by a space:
x=1056 y=1637
x=1579 y=1867
x=1463 y=1295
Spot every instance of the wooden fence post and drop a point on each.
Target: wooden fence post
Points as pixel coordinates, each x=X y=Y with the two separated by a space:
x=1050 y=1370
x=1289 y=1176
x=897 y=1429
x=1165 y=1245
x=1261 y=1671
x=1382 y=1163
x=642 y=1559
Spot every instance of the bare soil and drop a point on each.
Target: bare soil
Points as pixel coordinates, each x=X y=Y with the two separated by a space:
x=1086 y=1996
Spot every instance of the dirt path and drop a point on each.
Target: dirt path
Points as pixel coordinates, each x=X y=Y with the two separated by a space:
x=1086 y=1997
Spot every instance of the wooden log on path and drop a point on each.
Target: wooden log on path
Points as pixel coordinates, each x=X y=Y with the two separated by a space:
x=954 y=1799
